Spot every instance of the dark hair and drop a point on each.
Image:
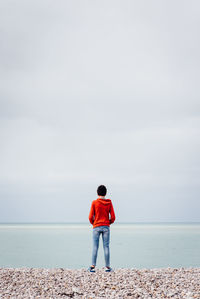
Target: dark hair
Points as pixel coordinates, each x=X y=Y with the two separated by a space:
x=101 y=190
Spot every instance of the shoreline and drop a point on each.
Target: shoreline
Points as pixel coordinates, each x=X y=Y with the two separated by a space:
x=79 y=283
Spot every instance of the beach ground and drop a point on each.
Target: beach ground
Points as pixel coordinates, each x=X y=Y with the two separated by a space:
x=121 y=283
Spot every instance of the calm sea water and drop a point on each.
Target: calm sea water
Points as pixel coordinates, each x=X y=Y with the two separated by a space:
x=70 y=245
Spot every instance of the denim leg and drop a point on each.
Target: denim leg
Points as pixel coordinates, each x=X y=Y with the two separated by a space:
x=106 y=240
x=96 y=235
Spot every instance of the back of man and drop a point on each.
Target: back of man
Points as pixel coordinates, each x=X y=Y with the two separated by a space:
x=101 y=216
x=100 y=210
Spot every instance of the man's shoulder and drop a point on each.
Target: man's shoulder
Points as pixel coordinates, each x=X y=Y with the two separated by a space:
x=94 y=201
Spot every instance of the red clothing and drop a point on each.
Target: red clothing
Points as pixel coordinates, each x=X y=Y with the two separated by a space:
x=99 y=212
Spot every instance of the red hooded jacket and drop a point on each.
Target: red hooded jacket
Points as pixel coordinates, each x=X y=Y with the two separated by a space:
x=99 y=212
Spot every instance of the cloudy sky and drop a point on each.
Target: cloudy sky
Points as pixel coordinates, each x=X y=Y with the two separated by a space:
x=99 y=92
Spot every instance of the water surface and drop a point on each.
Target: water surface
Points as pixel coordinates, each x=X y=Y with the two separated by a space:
x=70 y=245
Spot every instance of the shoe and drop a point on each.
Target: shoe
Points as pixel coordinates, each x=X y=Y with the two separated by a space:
x=108 y=269
x=91 y=269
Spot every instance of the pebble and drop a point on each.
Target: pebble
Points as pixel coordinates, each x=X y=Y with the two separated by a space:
x=183 y=283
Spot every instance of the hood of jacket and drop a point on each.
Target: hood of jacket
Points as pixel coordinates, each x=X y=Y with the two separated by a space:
x=104 y=201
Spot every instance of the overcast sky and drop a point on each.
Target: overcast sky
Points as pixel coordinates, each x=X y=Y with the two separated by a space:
x=99 y=92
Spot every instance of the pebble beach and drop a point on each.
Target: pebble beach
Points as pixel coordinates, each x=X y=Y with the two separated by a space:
x=121 y=283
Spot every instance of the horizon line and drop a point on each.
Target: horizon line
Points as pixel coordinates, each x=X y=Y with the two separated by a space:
x=136 y=222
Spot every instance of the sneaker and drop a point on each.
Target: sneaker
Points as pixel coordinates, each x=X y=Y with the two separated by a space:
x=91 y=269
x=108 y=269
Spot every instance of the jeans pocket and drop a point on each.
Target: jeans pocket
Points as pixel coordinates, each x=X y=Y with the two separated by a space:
x=106 y=229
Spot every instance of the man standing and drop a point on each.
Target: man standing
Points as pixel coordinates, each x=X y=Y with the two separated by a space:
x=101 y=216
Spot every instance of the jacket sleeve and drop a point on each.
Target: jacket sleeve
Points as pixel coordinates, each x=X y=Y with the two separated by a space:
x=92 y=213
x=112 y=214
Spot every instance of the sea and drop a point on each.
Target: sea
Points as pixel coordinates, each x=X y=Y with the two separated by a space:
x=69 y=246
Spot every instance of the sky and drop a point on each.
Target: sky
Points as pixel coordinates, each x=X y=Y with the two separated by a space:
x=99 y=92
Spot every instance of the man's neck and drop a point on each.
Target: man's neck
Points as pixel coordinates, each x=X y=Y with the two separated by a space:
x=100 y=196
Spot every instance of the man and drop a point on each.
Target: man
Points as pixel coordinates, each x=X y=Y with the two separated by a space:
x=101 y=216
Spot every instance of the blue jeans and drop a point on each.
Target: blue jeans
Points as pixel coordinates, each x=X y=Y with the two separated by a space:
x=105 y=231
